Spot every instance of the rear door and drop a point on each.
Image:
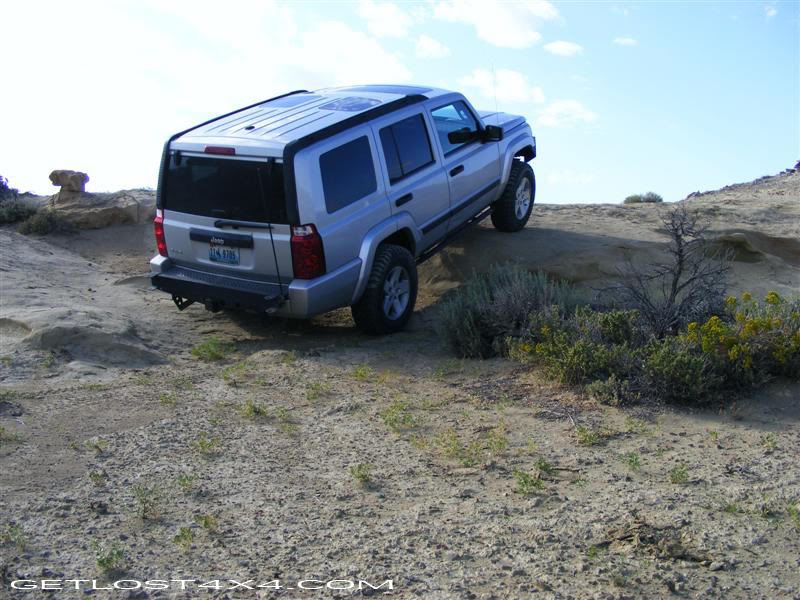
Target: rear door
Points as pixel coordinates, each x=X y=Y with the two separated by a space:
x=472 y=168
x=227 y=215
x=416 y=182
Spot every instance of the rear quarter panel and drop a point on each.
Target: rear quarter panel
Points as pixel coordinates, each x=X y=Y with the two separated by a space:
x=343 y=230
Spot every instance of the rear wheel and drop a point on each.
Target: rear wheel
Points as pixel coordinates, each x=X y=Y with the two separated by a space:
x=513 y=209
x=388 y=301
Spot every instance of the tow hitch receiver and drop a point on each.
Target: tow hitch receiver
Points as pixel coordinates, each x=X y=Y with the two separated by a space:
x=181 y=303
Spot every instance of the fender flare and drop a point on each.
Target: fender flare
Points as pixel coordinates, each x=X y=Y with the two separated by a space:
x=373 y=238
x=514 y=146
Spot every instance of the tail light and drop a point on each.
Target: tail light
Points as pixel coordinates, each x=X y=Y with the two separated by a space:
x=224 y=150
x=158 y=228
x=308 y=259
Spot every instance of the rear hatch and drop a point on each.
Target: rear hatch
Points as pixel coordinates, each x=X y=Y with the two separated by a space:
x=227 y=215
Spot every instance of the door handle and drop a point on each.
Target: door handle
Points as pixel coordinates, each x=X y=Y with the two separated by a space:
x=456 y=170
x=404 y=199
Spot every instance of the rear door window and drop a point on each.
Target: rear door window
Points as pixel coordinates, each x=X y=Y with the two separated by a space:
x=348 y=174
x=406 y=147
x=226 y=189
x=452 y=117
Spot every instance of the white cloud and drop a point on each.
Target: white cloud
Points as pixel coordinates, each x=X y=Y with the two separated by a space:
x=565 y=113
x=503 y=24
x=562 y=48
x=626 y=41
x=770 y=11
x=427 y=47
x=384 y=19
x=506 y=86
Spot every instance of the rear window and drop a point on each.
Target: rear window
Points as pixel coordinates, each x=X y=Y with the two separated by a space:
x=226 y=189
x=406 y=147
x=348 y=174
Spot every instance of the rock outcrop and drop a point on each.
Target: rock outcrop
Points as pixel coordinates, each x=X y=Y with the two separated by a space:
x=93 y=211
x=70 y=181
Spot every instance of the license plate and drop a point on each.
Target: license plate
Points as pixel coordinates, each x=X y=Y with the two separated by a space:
x=223 y=254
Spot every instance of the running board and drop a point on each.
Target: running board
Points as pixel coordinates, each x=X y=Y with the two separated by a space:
x=451 y=235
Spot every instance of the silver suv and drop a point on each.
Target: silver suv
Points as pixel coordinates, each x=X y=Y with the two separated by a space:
x=313 y=201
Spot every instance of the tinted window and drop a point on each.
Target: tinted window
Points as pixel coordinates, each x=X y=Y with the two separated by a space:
x=452 y=117
x=225 y=189
x=406 y=147
x=348 y=174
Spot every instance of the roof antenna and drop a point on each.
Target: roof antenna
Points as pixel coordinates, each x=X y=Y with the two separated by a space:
x=494 y=89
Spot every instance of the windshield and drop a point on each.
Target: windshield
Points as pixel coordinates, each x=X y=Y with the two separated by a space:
x=225 y=189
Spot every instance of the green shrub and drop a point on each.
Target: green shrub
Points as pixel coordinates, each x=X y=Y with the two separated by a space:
x=478 y=318
x=12 y=211
x=44 y=221
x=676 y=374
x=647 y=198
x=613 y=391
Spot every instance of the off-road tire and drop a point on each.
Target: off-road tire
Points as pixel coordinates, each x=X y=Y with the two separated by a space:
x=505 y=214
x=368 y=312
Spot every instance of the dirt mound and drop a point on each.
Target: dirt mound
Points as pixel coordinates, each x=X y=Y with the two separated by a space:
x=752 y=246
x=91 y=344
x=588 y=244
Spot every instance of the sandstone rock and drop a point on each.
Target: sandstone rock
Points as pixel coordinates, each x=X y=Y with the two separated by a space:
x=93 y=211
x=71 y=181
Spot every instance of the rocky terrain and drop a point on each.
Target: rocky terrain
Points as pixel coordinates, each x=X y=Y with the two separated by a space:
x=139 y=443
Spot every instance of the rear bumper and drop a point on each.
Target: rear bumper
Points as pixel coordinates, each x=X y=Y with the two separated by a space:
x=298 y=299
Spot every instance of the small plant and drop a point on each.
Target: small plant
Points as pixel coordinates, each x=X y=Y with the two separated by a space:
x=633 y=461
x=452 y=447
x=545 y=467
x=147 y=500
x=497 y=440
x=588 y=436
x=731 y=508
x=362 y=473
x=593 y=552
x=48 y=360
x=769 y=442
x=250 y=409
x=205 y=445
x=98 y=478
x=212 y=349
x=7 y=436
x=208 y=522
x=316 y=390
x=168 y=399
x=288 y=358
x=186 y=481
x=679 y=474
x=361 y=372
x=793 y=510
x=97 y=445
x=13 y=534
x=713 y=436
x=527 y=484
x=109 y=559
x=397 y=417
x=184 y=538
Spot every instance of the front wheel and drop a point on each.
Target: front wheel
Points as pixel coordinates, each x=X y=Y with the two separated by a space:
x=388 y=301
x=513 y=209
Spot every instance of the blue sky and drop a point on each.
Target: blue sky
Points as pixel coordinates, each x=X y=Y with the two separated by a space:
x=624 y=97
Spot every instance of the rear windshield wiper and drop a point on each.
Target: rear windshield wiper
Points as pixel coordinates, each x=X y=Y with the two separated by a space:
x=220 y=223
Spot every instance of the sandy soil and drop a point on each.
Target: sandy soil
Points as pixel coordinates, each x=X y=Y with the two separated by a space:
x=243 y=466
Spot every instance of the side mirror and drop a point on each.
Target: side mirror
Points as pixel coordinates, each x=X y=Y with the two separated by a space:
x=462 y=136
x=492 y=133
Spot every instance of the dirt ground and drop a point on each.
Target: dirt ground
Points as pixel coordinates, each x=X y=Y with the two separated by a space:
x=306 y=450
